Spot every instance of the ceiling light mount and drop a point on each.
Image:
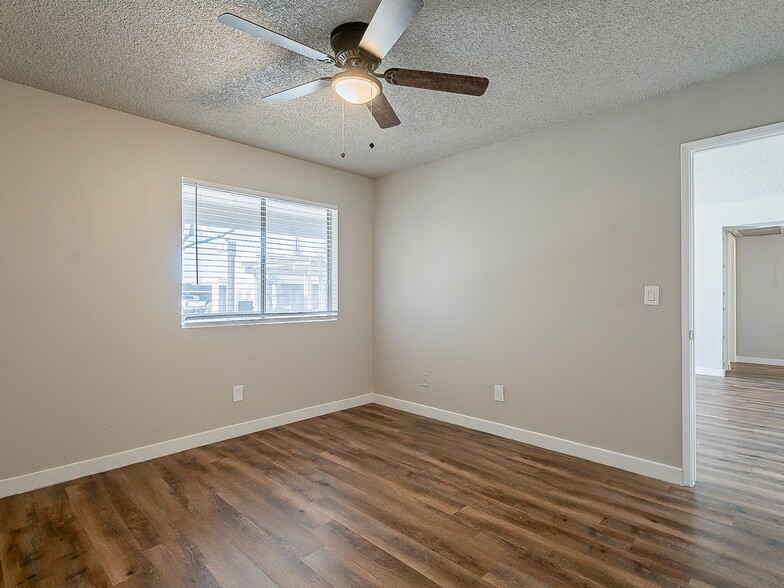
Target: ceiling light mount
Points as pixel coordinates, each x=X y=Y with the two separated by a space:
x=345 y=40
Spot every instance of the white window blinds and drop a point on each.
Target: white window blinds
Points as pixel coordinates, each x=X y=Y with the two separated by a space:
x=250 y=258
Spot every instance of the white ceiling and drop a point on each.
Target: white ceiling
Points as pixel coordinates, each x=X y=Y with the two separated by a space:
x=746 y=171
x=548 y=61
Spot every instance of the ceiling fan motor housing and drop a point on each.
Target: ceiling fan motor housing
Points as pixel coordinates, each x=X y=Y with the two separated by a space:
x=345 y=41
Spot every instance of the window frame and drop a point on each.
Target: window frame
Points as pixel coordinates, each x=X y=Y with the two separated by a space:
x=257 y=318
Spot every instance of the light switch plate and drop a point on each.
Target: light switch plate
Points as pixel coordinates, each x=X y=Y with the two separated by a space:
x=651 y=296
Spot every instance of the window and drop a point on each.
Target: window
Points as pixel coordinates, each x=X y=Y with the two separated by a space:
x=249 y=257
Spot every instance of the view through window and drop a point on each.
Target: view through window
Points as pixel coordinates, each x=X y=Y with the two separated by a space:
x=249 y=257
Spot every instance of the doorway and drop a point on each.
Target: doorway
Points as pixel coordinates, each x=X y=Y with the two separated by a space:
x=723 y=201
x=730 y=299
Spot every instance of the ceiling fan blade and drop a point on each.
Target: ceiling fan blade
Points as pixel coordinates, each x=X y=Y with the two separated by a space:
x=383 y=112
x=297 y=91
x=259 y=31
x=390 y=21
x=433 y=80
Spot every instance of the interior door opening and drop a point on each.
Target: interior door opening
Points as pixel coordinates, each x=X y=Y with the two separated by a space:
x=732 y=186
x=730 y=309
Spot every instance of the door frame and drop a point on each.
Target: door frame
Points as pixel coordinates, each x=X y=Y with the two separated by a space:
x=730 y=270
x=688 y=377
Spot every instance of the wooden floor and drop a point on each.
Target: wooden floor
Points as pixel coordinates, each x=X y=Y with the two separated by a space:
x=376 y=497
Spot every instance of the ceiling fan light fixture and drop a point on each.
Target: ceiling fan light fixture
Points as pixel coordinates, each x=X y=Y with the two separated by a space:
x=358 y=49
x=356 y=87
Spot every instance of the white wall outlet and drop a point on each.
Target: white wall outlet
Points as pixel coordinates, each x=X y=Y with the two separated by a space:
x=238 y=393
x=425 y=380
x=498 y=393
x=651 y=296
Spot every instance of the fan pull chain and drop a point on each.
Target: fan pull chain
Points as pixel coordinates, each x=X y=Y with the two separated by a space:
x=372 y=101
x=342 y=129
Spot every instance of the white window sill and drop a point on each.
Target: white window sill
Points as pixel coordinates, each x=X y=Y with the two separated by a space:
x=193 y=324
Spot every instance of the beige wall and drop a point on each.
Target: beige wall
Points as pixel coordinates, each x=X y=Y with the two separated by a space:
x=523 y=264
x=520 y=264
x=760 y=295
x=92 y=356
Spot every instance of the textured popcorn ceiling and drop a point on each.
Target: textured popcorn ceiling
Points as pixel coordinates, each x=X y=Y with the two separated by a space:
x=548 y=61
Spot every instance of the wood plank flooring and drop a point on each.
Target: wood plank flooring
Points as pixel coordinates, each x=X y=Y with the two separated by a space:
x=376 y=497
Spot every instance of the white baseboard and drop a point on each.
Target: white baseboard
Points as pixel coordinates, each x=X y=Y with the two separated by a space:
x=637 y=465
x=760 y=360
x=709 y=372
x=71 y=471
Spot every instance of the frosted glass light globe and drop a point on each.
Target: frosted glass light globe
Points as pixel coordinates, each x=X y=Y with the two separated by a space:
x=356 y=87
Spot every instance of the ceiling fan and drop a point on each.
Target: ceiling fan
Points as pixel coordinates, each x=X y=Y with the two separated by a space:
x=358 y=50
